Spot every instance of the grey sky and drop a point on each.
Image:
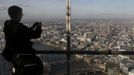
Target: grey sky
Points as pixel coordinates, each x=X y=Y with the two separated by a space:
x=40 y=9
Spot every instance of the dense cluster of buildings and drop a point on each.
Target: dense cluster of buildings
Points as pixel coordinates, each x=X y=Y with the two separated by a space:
x=92 y=35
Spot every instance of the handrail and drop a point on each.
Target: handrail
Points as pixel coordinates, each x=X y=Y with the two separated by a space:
x=85 y=52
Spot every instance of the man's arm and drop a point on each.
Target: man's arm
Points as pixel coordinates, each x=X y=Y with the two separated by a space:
x=30 y=33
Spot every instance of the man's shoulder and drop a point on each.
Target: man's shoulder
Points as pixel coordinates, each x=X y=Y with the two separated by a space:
x=14 y=24
x=10 y=22
x=7 y=22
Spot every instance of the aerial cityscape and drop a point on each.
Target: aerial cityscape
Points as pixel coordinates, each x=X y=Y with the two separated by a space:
x=88 y=35
x=96 y=25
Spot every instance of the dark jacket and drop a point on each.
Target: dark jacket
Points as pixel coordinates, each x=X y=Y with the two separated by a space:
x=18 y=37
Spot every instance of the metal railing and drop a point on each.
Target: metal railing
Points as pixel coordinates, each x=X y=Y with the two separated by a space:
x=69 y=52
x=82 y=52
x=85 y=52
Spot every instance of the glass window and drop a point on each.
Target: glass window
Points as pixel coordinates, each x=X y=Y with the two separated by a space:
x=103 y=28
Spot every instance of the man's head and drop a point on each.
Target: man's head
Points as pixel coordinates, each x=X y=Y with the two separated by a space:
x=15 y=12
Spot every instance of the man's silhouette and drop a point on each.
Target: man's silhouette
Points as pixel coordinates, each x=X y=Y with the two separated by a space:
x=18 y=37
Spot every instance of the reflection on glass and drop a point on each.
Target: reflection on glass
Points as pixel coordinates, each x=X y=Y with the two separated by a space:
x=54 y=64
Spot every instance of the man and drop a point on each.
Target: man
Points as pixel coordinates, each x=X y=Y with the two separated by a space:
x=18 y=37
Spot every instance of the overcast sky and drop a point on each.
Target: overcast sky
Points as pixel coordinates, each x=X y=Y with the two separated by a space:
x=41 y=9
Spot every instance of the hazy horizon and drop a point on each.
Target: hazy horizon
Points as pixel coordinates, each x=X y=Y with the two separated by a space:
x=80 y=9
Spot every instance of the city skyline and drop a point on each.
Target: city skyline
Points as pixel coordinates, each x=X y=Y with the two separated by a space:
x=41 y=9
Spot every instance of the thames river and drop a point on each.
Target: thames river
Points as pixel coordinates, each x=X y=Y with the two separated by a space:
x=57 y=63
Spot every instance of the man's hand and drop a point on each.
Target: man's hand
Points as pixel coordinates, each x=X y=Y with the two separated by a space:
x=37 y=24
